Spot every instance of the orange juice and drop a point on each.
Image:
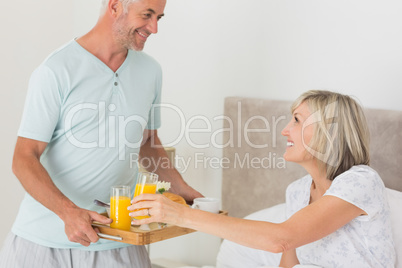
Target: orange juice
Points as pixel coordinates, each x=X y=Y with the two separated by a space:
x=147 y=188
x=119 y=212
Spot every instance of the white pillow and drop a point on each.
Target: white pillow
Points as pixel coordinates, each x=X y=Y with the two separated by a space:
x=395 y=203
x=232 y=255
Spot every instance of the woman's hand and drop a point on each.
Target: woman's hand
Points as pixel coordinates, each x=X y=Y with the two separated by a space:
x=160 y=209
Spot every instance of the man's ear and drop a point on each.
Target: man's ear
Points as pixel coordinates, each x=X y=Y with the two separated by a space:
x=115 y=8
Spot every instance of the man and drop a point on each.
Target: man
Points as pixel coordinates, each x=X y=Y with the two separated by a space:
x=91 y=110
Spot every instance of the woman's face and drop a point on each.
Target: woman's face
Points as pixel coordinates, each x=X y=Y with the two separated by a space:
x=299 y=133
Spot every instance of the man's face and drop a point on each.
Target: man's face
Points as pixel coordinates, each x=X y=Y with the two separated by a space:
x=131 y=30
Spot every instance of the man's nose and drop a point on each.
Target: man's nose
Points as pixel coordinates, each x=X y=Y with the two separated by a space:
x=153 y=26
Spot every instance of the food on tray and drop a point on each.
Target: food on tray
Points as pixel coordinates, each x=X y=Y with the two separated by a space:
x=176 y=198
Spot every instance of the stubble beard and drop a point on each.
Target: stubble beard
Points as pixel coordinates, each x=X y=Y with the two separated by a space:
x=124 y=37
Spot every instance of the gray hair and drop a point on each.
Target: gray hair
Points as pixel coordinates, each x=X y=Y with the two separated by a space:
x=341 y=137
x=125 y=4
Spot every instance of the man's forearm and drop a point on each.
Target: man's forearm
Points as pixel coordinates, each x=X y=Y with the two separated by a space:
x=155 y=159
x=37 y=182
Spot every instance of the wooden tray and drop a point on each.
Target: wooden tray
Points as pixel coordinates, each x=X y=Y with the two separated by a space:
x=140 y=236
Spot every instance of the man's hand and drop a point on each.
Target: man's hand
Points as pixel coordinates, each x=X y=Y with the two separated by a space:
x=78 y=225
x=185 y=191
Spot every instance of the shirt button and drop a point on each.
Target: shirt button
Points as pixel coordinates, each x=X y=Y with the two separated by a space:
x=117 y=75
x=115 y=83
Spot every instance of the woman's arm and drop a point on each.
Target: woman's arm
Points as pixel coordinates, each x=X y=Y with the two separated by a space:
x=313 y=222
x=289 y=259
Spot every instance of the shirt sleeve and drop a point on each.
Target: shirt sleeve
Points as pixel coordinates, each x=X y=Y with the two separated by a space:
x=42 y=106
x=361 y=187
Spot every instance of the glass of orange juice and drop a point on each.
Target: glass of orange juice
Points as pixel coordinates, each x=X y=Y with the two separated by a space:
x=146 y=184
x=120 y=200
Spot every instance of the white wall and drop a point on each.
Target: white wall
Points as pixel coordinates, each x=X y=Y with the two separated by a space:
x=30 y=30
x=209 y=50
x=268 y=49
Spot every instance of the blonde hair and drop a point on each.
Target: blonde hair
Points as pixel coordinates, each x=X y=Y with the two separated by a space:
x=341 y=137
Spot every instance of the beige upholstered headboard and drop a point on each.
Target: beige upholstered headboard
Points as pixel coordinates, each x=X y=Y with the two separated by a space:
x=256 y=175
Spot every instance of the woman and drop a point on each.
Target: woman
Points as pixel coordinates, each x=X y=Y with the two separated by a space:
x=338 y=214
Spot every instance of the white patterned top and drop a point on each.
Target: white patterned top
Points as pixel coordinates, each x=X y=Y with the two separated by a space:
x=364 y=242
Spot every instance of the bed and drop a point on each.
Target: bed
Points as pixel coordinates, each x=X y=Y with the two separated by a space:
x=255 y=182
